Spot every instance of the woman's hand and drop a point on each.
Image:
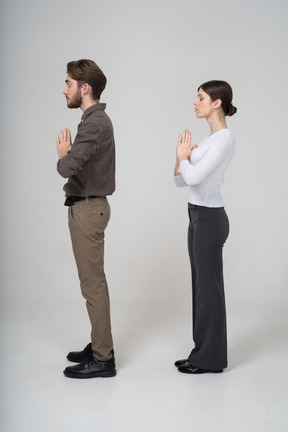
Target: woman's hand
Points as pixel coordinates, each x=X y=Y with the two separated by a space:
x=184 y=150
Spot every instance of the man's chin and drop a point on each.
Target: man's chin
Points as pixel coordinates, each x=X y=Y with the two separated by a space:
x=71 y=105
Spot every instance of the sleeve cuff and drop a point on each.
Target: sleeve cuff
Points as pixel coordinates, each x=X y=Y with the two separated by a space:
x=183 y=166
x=179 y=181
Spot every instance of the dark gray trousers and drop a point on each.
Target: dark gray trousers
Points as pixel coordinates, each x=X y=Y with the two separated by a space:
x=207 y=233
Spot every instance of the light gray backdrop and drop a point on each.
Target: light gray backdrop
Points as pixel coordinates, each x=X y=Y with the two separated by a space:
x=155 y=54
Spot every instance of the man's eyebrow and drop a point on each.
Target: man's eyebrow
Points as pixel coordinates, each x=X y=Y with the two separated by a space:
x=67 y=81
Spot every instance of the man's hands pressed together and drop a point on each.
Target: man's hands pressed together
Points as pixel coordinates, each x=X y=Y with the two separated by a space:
x=64 y=143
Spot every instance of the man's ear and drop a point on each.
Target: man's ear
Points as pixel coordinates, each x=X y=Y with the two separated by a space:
x=86 y=89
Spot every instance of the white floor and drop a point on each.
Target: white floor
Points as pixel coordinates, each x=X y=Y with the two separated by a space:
x=148 y=394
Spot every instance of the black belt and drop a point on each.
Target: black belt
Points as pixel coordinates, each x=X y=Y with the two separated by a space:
x=70 y=200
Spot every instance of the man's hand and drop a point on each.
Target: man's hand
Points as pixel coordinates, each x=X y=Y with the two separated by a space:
x=64 y=143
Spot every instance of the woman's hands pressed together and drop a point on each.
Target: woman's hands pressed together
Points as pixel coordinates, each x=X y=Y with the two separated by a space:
x=184 y=150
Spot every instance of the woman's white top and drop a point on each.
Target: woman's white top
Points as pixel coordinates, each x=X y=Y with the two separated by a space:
x=204 y=174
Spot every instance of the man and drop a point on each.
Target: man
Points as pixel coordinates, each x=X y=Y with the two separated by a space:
x=89 y=165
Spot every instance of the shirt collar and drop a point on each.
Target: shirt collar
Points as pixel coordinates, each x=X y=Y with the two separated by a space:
x=92 y=108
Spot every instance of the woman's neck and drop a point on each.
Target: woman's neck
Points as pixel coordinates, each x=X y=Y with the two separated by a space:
x=216 y=124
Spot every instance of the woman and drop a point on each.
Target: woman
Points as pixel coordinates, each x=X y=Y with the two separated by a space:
x=202 y=168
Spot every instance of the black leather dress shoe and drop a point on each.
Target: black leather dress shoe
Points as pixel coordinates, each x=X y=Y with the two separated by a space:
x=79 y=356
x=189 y=369
x=181 y=362
x=92 y=368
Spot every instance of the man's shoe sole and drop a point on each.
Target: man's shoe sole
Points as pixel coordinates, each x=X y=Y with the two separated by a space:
x=109 y=374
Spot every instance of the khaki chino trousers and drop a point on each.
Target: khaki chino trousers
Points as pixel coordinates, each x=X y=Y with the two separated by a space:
x=87 y=222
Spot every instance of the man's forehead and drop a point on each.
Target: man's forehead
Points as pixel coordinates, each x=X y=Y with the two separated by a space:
x=69 y=79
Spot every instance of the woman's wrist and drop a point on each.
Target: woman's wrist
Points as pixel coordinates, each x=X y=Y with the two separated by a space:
x=183 y=159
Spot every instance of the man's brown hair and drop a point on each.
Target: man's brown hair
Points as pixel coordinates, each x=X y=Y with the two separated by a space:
x=86 y=71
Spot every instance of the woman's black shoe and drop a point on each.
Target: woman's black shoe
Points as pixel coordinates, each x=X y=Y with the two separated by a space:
x=180 y=362
x=189 y=369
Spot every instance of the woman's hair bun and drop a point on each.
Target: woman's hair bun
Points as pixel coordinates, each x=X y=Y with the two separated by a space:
x=232 y=110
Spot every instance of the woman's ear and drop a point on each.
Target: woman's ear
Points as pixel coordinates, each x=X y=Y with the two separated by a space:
x=217 y=103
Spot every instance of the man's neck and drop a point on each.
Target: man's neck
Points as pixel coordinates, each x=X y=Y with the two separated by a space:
x=87 y=104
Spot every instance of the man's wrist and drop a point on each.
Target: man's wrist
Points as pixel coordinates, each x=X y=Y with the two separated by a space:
x=63 y=155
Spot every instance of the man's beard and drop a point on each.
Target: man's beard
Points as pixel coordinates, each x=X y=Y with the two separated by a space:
x=76 y=100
